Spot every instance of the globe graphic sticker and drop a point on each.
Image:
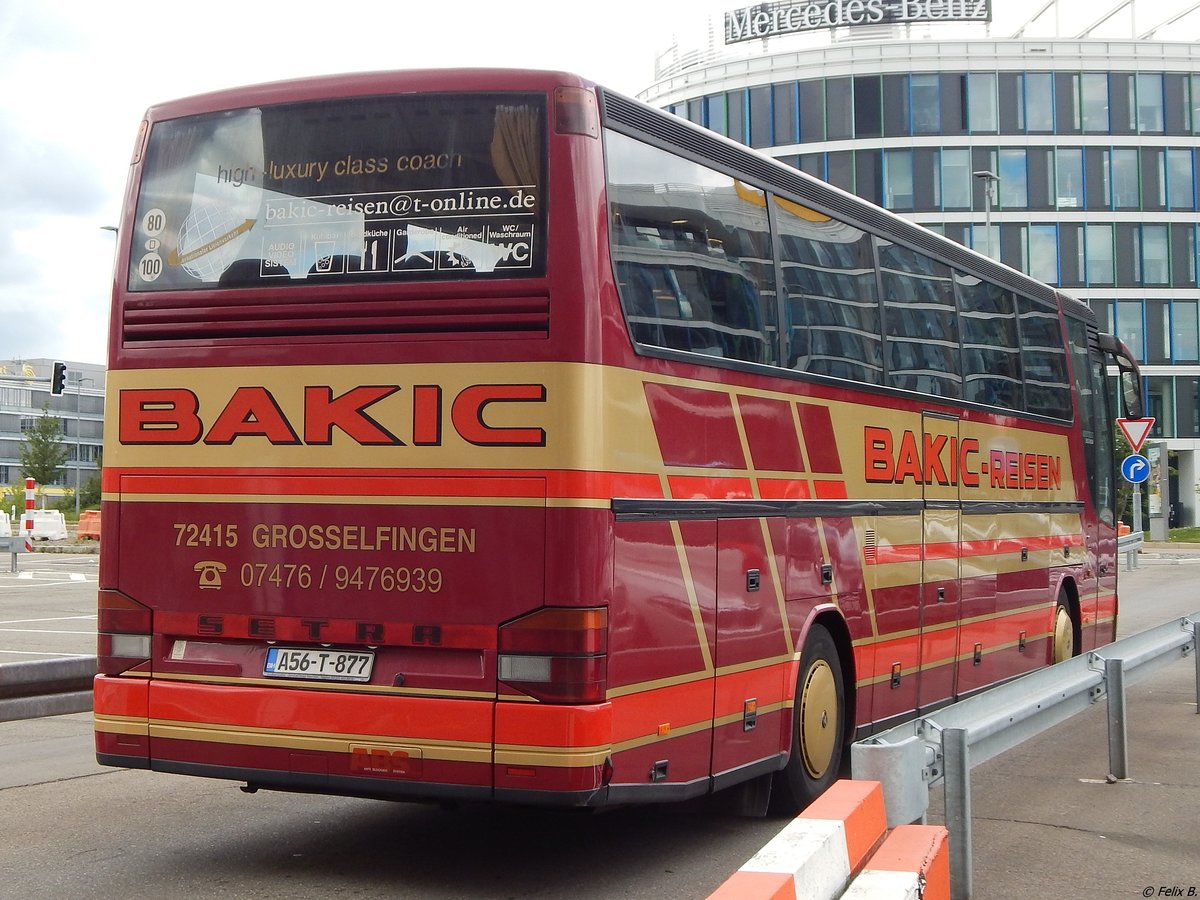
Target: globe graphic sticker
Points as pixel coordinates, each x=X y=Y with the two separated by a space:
x=210 y=240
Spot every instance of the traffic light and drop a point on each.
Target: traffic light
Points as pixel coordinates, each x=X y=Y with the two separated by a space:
x=59 y=379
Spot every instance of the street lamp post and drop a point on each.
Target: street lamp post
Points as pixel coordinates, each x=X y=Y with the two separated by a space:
x=990 y=180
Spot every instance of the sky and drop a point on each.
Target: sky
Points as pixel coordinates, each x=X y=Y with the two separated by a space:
x=75 y=79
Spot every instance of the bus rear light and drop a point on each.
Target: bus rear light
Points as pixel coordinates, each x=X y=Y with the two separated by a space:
x=556 y=655
x=123 y=633
x=575 y=112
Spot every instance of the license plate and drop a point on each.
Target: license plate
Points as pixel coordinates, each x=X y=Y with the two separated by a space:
x=327 y=665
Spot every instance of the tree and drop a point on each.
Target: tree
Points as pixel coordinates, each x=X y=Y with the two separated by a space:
x=43 y=451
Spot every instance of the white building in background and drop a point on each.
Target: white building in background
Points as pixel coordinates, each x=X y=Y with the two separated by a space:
x=25 y=389
x=1073 y=159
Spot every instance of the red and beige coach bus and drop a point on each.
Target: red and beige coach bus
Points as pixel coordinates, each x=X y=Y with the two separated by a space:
x=487 y=435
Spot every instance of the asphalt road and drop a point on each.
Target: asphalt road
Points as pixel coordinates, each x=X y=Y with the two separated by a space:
x=1046 y=822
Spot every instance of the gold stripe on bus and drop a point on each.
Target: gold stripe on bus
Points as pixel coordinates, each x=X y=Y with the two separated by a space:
x=329 y=686
x=575 y=758
x=327 y=500
x=675 y=731
x=109 y=724
x=626 y=690
x=330 y=742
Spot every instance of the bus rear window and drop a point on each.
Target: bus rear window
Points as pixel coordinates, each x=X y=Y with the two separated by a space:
x=398 y=188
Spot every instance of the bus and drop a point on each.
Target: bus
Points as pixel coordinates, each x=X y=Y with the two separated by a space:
x=487 y=435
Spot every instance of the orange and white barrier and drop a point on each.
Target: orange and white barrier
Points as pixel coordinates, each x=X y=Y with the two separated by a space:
x=27 y=527
x=837 y=848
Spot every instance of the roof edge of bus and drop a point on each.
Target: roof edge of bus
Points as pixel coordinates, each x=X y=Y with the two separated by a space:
x=384 y=81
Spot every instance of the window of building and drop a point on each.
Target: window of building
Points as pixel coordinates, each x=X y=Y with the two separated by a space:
x=868 y=175
x=1160 y=403
x=695 y=111
x=1124 y=168
x=1177 y=111
x=1158 y=332
x=718 y=114
x=813 y=164
x=982 y=111
x=1014 y=178
x=1181 y=185
x=1066 y=103
x=1011 y=89
x=927 y=178
x=1097 y=181
x=761 y=117
x=1071 y=260
x=735 y=101
x=1039 y=163
x=895 y=106
x=839 y=169
x=898 y=179
x=1130 y=327
x=1093 y=102
x=1123 y=109
x=812 y=111
x=1128 y=254
x=1185 y=331
x=868 y=106
x=783 y=102
x=953 y=104
x=1100 y=268
x=1068 y=177
x=1039 y=102
x=956 y=178
x=926 y=104
x=1155 y=255
x=920 y=320
x=1154 y=178
x=1149 y=102
x=1187 y=407
x=1043 y=253
x=1104 y=314
x=1183 y=254
x=839 y=108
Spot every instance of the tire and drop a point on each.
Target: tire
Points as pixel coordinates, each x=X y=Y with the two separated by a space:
x=1063 y=644
x=818 y=726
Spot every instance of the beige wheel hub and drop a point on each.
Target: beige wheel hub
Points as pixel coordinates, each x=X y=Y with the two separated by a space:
x=819 y=726
x=1064 y=636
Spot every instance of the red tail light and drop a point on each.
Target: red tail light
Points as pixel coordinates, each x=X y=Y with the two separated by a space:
x=575 y=112
x=123 y=633
x=557 y=655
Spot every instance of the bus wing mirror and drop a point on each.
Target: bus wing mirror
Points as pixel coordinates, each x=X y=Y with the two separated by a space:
x=1128 y=372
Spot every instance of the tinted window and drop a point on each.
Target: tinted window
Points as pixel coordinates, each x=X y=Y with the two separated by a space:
x=991 y=351
x=832 y=304
x=1043 y=360
x=920 y=320
x=693 y=254
x=366 y=189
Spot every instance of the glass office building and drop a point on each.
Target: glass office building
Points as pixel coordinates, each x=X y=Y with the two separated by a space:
x=1091 y=146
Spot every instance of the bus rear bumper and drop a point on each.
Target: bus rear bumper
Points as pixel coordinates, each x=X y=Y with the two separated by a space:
x=355 y=744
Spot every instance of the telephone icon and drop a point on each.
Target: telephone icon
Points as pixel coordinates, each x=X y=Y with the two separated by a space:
x=210 y=573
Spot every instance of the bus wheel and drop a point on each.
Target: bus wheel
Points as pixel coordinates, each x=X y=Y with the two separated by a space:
x=818 y=726
x=1064 y=631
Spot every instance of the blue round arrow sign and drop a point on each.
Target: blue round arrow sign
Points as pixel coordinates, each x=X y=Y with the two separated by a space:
x=1135 y=468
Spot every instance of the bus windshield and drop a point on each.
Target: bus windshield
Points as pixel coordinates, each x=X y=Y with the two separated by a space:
x=395 y=188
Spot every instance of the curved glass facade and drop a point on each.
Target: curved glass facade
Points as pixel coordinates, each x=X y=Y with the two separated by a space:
x=1092 y=145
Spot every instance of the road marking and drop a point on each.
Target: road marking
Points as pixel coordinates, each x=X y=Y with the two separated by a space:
x=55 y=619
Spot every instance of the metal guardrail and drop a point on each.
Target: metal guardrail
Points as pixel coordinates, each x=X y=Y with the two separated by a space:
x=46 y=687
x=944 y=746
x=1130 y=544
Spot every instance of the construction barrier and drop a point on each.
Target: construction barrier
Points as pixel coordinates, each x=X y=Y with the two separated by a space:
x=839 y=847
x=89 y=525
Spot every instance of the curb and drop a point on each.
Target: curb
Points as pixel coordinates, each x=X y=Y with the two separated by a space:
x=840 y=837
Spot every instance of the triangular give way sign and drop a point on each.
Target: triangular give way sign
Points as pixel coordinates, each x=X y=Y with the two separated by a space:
x=1136 y=431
